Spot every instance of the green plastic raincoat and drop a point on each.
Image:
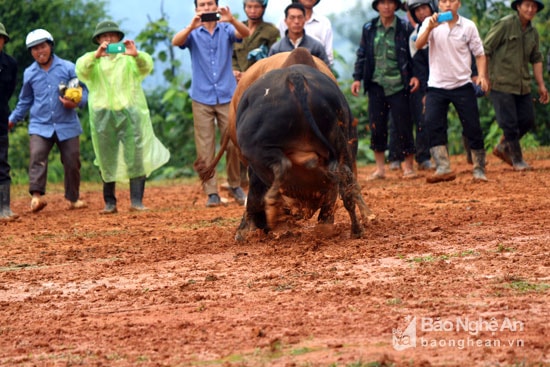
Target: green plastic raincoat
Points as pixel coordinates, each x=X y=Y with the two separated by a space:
x=124 y=142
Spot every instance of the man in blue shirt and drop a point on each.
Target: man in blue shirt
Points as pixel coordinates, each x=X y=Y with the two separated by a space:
x=213 y=83
x=53 y=119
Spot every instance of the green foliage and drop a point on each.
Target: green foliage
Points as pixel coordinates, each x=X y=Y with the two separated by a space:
x=173 y=122
x=73 y=22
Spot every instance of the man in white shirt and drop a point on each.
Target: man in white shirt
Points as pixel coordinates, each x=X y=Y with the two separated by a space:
x=317 y=26
x=452 y=44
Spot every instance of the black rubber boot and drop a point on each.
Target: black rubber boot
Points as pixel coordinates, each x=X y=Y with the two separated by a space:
x=502 y=151
x=137 y=188
x=6 y=215
x=479 y=165
x=517 y=156
x=443 y=170
x=109 y=197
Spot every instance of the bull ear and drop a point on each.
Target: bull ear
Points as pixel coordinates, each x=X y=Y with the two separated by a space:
x=300 y=55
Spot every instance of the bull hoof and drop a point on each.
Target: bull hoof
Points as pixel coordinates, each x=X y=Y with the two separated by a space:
x=239 y=237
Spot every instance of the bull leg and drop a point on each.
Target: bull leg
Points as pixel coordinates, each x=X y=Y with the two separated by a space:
x=328 y=208
x=254 y=215
x=349 y=191
x=273 y=198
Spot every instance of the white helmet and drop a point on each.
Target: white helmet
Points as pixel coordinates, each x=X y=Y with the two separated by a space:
x=38 y=36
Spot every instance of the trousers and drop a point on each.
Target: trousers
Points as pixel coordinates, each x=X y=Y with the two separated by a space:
x=40 y=148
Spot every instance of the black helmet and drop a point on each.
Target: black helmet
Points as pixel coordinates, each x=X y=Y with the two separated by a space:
x=515 y=4
x=263 y=2
x=375 y=4
x=413 y=4
x=297 y=1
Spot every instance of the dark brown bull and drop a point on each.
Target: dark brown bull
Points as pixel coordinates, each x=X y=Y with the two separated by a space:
x=277 y=61
x=294 y=129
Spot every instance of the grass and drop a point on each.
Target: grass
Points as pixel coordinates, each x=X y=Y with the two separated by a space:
x=433 y=258
x=524 y=286
x=501 y=248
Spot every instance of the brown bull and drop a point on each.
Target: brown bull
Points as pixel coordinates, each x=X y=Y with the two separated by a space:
x=294 y=128
x=277 y=61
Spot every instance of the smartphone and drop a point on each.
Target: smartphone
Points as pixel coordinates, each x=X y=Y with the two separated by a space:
x=210 y=17
x=445 y=17
x=115 y=48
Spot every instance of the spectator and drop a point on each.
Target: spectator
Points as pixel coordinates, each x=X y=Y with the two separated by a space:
x=53 y=119
x=452 y=44
x=511 y=44
x=418 y=10
x=262 y=36
x=211 y=46
x=253 y=48
x=8 y=77
x=384 y=65
x=316 y=25
x=122 y=133
x=295 y=35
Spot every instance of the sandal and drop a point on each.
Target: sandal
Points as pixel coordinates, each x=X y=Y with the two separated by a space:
x=376 y=176
x=410 y=175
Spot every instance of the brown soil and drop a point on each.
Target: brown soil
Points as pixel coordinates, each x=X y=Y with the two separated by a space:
x=171 y=287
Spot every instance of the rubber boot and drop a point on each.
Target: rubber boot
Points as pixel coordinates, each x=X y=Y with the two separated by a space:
x=6 y=215
x=443 y=170
x=478 y=158
x=467 y=150
x=109 y=197
x=501 y=151
x=517 y=156
x=137 y=188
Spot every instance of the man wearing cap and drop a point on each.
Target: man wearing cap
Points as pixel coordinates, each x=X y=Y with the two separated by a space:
x=124 y=142
x=316 y=25
x=8 y=77
x=53 y=119
x=511 y=45
x=384 y=66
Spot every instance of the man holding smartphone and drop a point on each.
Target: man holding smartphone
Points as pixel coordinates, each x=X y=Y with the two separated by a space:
x=210 y=43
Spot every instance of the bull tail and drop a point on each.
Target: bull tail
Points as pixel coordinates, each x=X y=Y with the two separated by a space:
x=207 y=172
x=297 y=84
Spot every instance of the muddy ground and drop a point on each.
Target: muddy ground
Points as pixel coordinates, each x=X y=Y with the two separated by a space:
x=464 y=265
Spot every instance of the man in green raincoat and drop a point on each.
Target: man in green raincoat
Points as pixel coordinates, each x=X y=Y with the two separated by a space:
x=124 y=142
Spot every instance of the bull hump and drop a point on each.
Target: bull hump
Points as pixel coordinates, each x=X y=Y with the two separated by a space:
x=300 y=55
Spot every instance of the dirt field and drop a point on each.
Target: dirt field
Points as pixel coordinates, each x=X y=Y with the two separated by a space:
x=465 y=265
